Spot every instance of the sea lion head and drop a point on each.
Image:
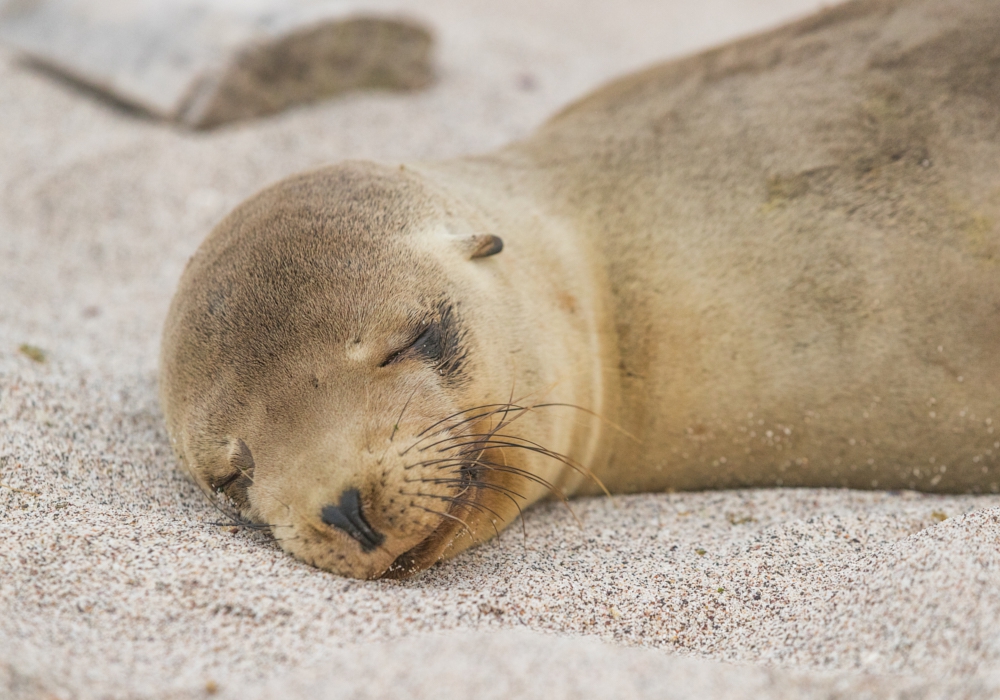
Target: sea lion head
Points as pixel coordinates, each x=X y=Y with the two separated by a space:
x=336 y=362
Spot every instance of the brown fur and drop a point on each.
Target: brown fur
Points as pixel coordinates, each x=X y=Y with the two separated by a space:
x=774 y=263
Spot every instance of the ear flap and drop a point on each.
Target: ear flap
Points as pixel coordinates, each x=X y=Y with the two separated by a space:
x=485 y=246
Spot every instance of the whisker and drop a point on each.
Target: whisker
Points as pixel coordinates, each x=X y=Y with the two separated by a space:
x=285 y=539
x=434 y=462
x=446 y=515
x=443 y=464
x=472 y=482
x=466 y=449
x=456 y=414
x=532 y=447
x=510 y=408
x=247 y=524
x=461 y=436
x=504 y=422
x=478 y=483
x=395 y=427
x=465 y=502
x=493 y=434
x=506 y=410
x=598 y=416
x=235 y=518
x=524 y=474
x=456 y=499
x=497 y=407
x=501 y=408
x=506 y=468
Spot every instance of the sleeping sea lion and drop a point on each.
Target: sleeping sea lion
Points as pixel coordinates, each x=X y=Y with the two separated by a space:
x=772 y=263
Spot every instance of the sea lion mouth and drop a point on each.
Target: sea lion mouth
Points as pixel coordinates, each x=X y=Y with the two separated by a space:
x=422 y=556
x=428 y=551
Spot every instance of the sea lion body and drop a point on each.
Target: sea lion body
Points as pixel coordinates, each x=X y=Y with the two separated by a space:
x=775 y=263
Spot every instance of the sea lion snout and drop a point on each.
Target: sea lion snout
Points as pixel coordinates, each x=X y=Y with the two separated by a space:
x=355 y=504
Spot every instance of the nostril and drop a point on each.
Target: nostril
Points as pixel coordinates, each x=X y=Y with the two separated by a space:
x=348 y=517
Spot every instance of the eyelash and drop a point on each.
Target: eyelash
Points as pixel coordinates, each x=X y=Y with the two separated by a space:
x=235 y=484
x=234 y=487
x=428 y=343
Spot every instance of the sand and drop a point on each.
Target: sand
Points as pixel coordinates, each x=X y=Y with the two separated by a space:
x=116 y=580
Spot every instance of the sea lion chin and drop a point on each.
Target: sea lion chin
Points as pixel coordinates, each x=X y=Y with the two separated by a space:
x=773 y=263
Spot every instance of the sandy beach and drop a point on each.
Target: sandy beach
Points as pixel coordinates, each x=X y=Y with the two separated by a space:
x=118 y=579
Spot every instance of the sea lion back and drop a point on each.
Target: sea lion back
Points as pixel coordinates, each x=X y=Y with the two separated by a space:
x=800 y=224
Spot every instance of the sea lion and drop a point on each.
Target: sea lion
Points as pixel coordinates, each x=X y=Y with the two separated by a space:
x=773 y=263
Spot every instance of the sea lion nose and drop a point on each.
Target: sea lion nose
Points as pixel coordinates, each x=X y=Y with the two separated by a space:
x=348 y=517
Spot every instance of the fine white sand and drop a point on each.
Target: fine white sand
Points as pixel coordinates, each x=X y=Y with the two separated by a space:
x=115 y=580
